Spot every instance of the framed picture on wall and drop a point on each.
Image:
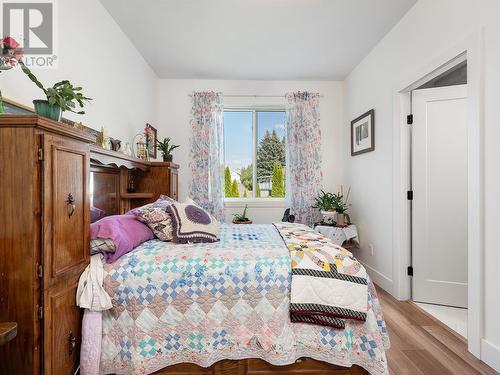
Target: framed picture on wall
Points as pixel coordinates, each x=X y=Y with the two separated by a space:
x=363 y=133
x=153 y=133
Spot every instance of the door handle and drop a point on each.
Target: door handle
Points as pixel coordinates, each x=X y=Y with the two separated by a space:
x=70 y=201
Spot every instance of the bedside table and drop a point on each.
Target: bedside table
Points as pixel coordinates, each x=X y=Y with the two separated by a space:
x=340 y=235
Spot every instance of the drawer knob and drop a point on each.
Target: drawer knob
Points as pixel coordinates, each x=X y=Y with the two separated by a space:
x=71 y=204
x=71 y=342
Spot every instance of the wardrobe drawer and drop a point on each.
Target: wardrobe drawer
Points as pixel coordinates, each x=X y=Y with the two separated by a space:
x=62 y=329
x=66 y=210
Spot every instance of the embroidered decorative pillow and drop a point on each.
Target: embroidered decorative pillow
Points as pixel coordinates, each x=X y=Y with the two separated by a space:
x=191 y=223
x=155 y=216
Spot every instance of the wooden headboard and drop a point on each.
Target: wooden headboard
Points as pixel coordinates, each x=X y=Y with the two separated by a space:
x=120 y=182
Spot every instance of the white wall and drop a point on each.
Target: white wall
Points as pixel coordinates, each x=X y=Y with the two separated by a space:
x=174 y=111
x=94 y=53
x=428 y=29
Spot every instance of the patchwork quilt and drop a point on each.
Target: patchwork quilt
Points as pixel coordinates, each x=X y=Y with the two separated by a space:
x=328 y=284
x=201 y=303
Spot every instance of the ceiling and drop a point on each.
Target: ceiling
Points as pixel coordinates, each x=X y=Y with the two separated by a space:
x=256 y=39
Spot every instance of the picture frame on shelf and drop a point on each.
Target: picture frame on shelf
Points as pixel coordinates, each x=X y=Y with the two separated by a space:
x=151 y=145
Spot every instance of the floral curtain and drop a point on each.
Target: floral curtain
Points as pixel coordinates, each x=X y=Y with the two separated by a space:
x=206 y=156
x=304 y=153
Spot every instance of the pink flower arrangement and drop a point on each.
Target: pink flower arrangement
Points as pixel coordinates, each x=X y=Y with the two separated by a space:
x=11 y=54
x=9 y=42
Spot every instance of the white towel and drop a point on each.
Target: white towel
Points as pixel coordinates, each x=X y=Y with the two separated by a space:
x=90 y=293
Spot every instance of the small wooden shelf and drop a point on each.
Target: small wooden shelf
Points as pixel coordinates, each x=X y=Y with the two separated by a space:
x=137 y=195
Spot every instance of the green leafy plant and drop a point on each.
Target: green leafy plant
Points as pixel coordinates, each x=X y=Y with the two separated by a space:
x=62 y=94
x=66 y=96
x=241 y=217
x=341 y=204
x=165 y=147
x=325 y=201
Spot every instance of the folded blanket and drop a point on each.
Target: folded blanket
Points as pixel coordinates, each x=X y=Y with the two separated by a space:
x=328 y=283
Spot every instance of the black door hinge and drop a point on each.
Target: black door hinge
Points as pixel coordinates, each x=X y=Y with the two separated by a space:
x=409 y=119
x=410 y=271
x=40 y=154
x=40 y=312
x=409 y=195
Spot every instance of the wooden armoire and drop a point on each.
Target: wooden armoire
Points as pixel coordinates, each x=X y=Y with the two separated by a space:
x=44 y=241
x=45 y=171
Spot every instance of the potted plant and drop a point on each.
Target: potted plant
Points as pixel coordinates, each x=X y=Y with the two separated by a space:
x=325 y=202
x=340 y=206
x=166 y=149
x=61 y=97
x=242 y=218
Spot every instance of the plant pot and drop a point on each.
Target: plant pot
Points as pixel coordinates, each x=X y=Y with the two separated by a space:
x=341 y=219
x=43 y=108
x=242 y=222
x=328 y=216
x=168 y=158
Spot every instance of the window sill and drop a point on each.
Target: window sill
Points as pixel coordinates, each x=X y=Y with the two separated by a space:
x=256 y=202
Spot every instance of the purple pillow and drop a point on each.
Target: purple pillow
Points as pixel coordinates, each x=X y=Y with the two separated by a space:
x=96 y=214
x=125 y=231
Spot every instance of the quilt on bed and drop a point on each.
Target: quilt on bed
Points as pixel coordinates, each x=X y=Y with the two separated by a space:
x=201 y=303
x=328 y=284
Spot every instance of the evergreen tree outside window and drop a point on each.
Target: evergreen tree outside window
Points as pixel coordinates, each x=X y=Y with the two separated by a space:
x=255 y=153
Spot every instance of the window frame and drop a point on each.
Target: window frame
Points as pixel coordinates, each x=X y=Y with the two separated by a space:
x=236 y=202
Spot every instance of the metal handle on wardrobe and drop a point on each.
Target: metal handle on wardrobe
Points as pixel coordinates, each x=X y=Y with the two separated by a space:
x=71 y=342
x=71 y=205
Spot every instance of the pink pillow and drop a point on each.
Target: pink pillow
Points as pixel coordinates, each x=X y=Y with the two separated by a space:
x=125 y=231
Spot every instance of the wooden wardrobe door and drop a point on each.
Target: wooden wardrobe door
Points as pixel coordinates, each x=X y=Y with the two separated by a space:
x=66 y=208
x=62 y=329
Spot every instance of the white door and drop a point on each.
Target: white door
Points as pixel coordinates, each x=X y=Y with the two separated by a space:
x=440 y=196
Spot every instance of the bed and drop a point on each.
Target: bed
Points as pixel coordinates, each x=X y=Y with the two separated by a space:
x=220 y=308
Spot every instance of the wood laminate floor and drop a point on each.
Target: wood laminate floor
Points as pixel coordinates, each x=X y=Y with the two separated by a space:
x=422 y=345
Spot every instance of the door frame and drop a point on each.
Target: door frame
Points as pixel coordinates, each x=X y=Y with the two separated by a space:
x=472 y=47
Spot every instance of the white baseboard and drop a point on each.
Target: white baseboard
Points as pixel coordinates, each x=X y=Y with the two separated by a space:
x=490 y=354
x=379 y=278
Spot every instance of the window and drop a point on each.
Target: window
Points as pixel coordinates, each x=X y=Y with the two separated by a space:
x=254 y=154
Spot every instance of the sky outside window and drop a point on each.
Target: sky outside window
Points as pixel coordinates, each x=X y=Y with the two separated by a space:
x=239 y=153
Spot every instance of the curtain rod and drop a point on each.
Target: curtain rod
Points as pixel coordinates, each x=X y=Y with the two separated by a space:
x=253 y=96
